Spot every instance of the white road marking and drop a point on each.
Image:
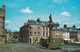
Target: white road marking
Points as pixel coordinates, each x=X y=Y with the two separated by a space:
x=12 y=49
x=4 y=46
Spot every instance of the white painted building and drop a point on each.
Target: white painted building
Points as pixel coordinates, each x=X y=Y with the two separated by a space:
x=66 y=35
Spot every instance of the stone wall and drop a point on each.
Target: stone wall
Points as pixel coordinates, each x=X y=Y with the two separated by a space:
x=2 y=24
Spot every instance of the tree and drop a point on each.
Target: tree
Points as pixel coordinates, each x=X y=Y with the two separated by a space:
x=15 y=34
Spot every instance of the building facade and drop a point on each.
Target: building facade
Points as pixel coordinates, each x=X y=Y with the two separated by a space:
x=73 y=33
x=70 y=33
x=2 y=24
x=57 y=33
x=33 y=31
x=66 y=34
x=78 y=30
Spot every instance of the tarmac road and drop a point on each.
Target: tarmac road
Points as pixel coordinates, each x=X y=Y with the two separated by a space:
x=25 y=47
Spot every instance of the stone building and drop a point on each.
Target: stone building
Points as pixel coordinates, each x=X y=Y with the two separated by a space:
x=73 y=33
x=66 y=33
x=2 y=24
x=78 y=30
x=57 y=31
x=32 y=31
x=70 y=33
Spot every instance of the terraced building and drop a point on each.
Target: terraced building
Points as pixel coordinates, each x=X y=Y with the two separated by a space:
x=32 y=31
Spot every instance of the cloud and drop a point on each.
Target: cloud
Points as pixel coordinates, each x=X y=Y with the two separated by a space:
x=23 y=0
x=78 y=21
x=53 y=20
x=58 y=20
x=17 y=29
x=50 y=6
x=12 y=28
x=78 y=27
x=7 y=21
x=8 y=26
x=62 y=7
x=68 y=23
x=59 y=1
x=39 y=3
x=27 y=10
x=65 y=14
x=73 y=7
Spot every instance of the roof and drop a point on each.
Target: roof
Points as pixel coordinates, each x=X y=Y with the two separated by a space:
x=58 y=29
x=65 y=30
x=70 y=29
x=37 y=23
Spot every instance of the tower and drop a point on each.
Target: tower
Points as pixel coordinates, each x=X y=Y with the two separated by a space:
x=2 y=24
x=51 y=32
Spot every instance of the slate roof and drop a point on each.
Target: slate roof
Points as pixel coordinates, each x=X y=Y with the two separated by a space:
x=58 y=29
x=55 y=26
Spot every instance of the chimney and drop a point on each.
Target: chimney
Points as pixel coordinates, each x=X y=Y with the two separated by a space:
x=74 y=26
x=25 y=23
x=38 y=20
x=3 y=6
x=58 y=24
x=65 y=26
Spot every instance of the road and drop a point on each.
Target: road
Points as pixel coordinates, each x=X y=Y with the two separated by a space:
x=25 y=47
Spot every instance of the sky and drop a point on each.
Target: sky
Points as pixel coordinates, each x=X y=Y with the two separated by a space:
x=19 y=11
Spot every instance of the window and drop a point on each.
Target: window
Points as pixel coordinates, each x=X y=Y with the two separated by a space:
x=46 y=28
x=46 y=34
x=43 y=28
x=46 y=23
x=30 y=27
x=38 y=27
x=38 y=32
x=35 y=32
x=43 y=33
x=30 y=33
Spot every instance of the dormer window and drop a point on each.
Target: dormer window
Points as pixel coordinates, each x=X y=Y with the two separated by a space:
x=30 y=27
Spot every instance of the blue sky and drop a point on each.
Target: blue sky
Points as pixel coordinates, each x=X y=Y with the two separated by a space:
x=19 y=11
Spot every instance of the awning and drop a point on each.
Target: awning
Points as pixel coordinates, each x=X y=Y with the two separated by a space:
x=45 y=37
x=67 y=39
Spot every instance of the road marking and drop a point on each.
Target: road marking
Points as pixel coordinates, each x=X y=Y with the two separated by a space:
x=4 y=46
x=12 y=49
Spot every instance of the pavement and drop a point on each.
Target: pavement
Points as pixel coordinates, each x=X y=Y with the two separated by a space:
x=25 y=47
